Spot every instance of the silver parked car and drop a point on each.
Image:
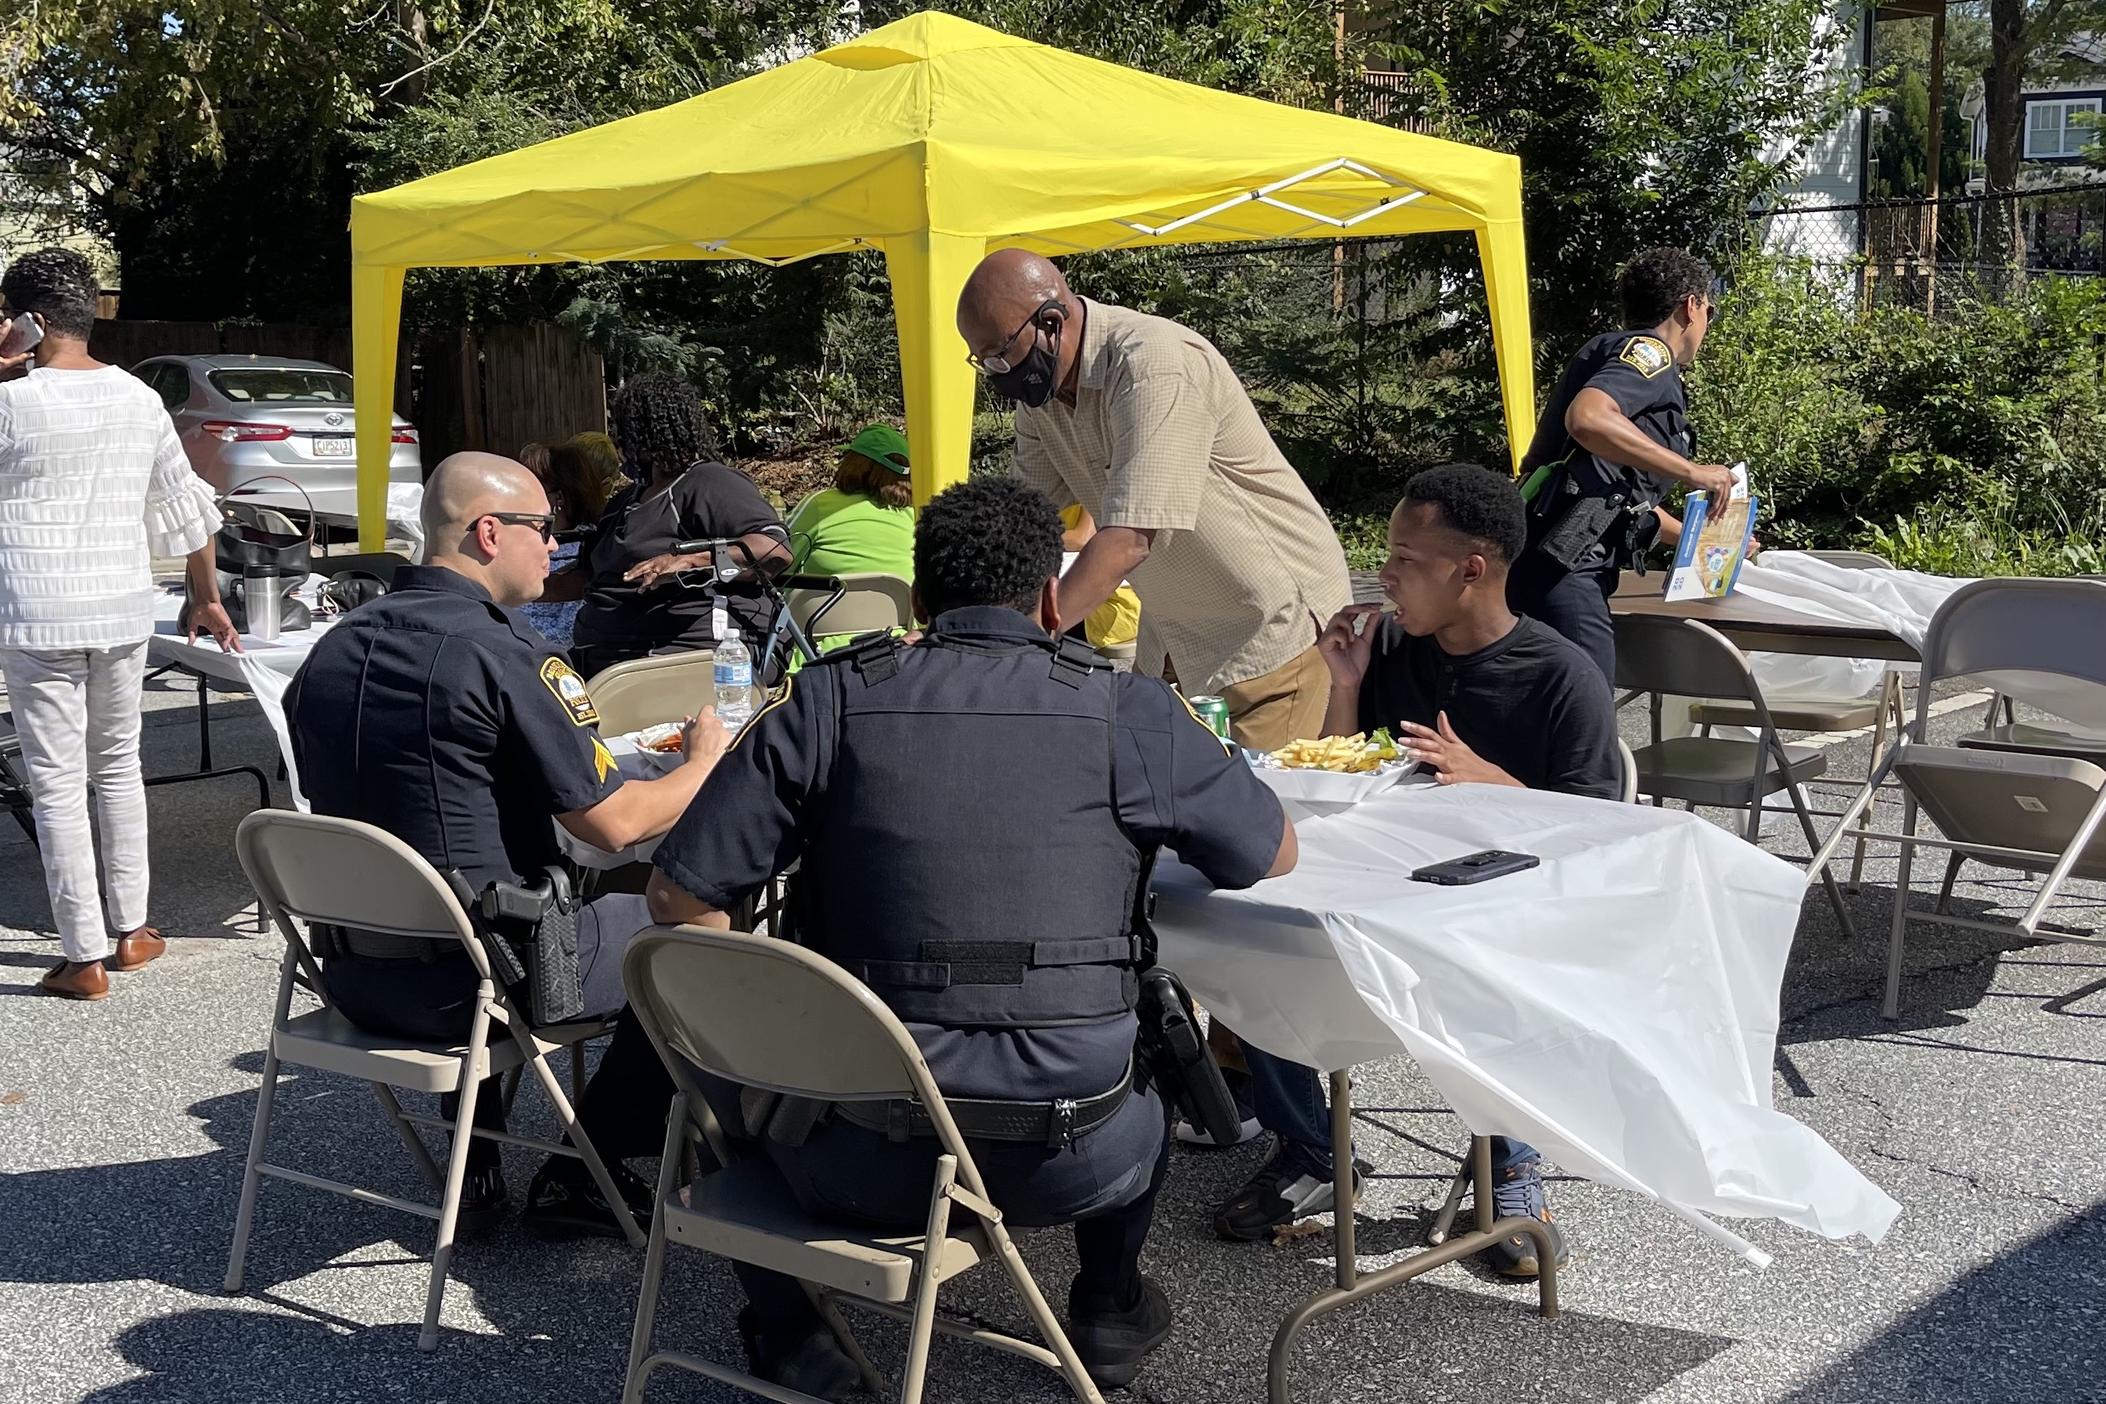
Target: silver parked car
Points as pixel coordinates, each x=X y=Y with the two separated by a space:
x=243 y=417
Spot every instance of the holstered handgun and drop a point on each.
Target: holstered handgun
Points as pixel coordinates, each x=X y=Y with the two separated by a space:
x=531 y=933
x=1170 y=1048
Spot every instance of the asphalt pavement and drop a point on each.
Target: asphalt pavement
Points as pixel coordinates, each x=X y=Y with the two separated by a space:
x=123 y=1126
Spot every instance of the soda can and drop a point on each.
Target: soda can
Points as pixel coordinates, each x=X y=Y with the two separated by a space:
x=1214 y=712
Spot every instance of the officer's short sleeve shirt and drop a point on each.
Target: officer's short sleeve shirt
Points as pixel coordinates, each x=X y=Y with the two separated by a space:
x=448 y=721
x=746 y=823
x=1636 y=370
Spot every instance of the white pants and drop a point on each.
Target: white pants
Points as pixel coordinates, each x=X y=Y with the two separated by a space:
x=77 y=714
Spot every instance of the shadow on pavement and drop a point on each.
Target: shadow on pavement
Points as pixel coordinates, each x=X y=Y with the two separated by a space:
x=2021 y=1327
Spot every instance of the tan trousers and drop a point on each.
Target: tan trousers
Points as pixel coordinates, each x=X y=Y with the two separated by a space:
x=1286 y=704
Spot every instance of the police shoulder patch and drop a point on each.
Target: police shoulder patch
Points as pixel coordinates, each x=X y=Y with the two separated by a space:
x=1649 y=354
x=568 y=688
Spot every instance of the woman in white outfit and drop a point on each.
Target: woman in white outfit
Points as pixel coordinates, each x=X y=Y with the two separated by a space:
x=93 y=485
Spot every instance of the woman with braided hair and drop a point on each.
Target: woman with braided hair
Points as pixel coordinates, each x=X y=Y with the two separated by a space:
x=641 y=596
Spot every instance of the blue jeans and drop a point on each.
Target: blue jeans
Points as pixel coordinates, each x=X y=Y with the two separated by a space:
x=1289 y=1101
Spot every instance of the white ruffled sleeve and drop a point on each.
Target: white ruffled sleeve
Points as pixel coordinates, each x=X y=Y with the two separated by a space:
x=181 y=512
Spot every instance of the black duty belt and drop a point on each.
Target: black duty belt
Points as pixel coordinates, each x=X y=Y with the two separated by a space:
x=329 y=941
x=1056 y=1123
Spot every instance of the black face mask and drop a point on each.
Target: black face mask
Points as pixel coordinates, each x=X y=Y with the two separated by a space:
x=1031 y=383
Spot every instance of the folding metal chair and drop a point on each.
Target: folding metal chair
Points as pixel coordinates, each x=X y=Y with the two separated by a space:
x=319 y=869
x=771 y=1015
x=1826 y=712
x=2010 y=809
x=649 y=691
x=861 y=602
x=1681 y=656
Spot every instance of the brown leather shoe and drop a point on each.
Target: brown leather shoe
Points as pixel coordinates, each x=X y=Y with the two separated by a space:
x=70 y=979
x=137 y=949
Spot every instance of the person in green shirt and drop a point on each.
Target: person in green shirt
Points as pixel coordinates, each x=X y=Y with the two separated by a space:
x=864 y=522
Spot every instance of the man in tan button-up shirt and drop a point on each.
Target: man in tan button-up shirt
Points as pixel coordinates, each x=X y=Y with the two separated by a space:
x=1144 y=424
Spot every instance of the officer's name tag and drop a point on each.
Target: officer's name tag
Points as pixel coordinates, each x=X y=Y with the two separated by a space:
x=563 y=680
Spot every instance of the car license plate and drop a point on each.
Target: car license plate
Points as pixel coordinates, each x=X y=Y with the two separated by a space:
x=334 y=446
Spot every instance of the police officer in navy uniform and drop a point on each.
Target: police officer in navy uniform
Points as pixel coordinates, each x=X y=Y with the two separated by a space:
x=437 y=713
x=1616 y=429
x=975 y=816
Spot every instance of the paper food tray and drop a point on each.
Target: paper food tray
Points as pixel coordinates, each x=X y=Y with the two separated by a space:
x=1327 y=791
x=637 y=760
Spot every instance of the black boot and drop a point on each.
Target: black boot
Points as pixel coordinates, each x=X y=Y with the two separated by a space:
x=1113 y=1341
x=808 y=1360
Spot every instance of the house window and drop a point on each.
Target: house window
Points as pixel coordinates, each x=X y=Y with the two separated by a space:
x=2051 y=131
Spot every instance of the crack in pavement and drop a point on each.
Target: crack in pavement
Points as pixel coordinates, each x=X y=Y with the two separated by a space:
x=1978 y=1183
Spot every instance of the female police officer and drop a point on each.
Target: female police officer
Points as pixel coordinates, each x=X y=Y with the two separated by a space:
x=1613 y=437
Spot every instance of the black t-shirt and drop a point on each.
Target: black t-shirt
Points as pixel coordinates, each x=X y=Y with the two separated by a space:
x=1531 y=704
x=1638 y=372
x=707 y=502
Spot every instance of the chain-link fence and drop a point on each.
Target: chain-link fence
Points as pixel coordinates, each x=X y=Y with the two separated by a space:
x=1921 y=253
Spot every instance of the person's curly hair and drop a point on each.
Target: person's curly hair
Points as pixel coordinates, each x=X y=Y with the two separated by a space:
x=1653 y=284
x=661 y=428
x=990 y=541
x=1474 y=501
x=58 y=285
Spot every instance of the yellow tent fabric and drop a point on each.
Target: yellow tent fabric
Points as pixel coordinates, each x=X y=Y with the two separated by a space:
x=932 y=139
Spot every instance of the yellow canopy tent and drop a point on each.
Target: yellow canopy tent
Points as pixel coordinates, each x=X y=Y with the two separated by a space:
x=932 y=140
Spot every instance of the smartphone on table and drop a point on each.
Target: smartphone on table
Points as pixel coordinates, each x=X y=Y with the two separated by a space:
x=1476 y=867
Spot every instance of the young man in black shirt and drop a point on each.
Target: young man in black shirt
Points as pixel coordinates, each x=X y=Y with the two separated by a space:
x=1477 y=694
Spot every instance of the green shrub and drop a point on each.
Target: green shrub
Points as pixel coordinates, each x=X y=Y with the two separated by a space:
x=1972 y=443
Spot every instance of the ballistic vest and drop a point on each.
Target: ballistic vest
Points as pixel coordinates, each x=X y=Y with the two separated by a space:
x=968 y=862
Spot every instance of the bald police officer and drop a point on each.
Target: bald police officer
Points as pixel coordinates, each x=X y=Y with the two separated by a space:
x=437 y=713
x=974 y=817
x=1614 y=438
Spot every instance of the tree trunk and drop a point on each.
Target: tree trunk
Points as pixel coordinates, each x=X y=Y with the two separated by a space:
x=2003 y=248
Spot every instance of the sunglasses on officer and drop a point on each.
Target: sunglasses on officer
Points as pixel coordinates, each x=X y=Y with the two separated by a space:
x=543 y=522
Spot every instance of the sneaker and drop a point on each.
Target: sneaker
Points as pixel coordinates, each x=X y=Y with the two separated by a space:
x=1286 y=1188
x=564 y=1201
x=1113 y=1343
x=483 y=1198
x=810 y=1362
x=1519 y=1195
x=1190 y=1135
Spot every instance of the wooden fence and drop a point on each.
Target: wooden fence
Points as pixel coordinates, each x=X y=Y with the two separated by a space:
x=500 y=388
x=495 y=389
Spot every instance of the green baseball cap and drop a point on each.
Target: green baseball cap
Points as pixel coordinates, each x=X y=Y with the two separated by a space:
x=883 y=445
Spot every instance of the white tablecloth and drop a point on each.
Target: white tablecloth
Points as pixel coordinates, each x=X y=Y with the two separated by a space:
x=1900 y=601
x=1615 y=1007
x=265 y=668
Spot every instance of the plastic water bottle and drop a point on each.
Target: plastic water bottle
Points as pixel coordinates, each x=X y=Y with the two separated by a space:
x=734 y=681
